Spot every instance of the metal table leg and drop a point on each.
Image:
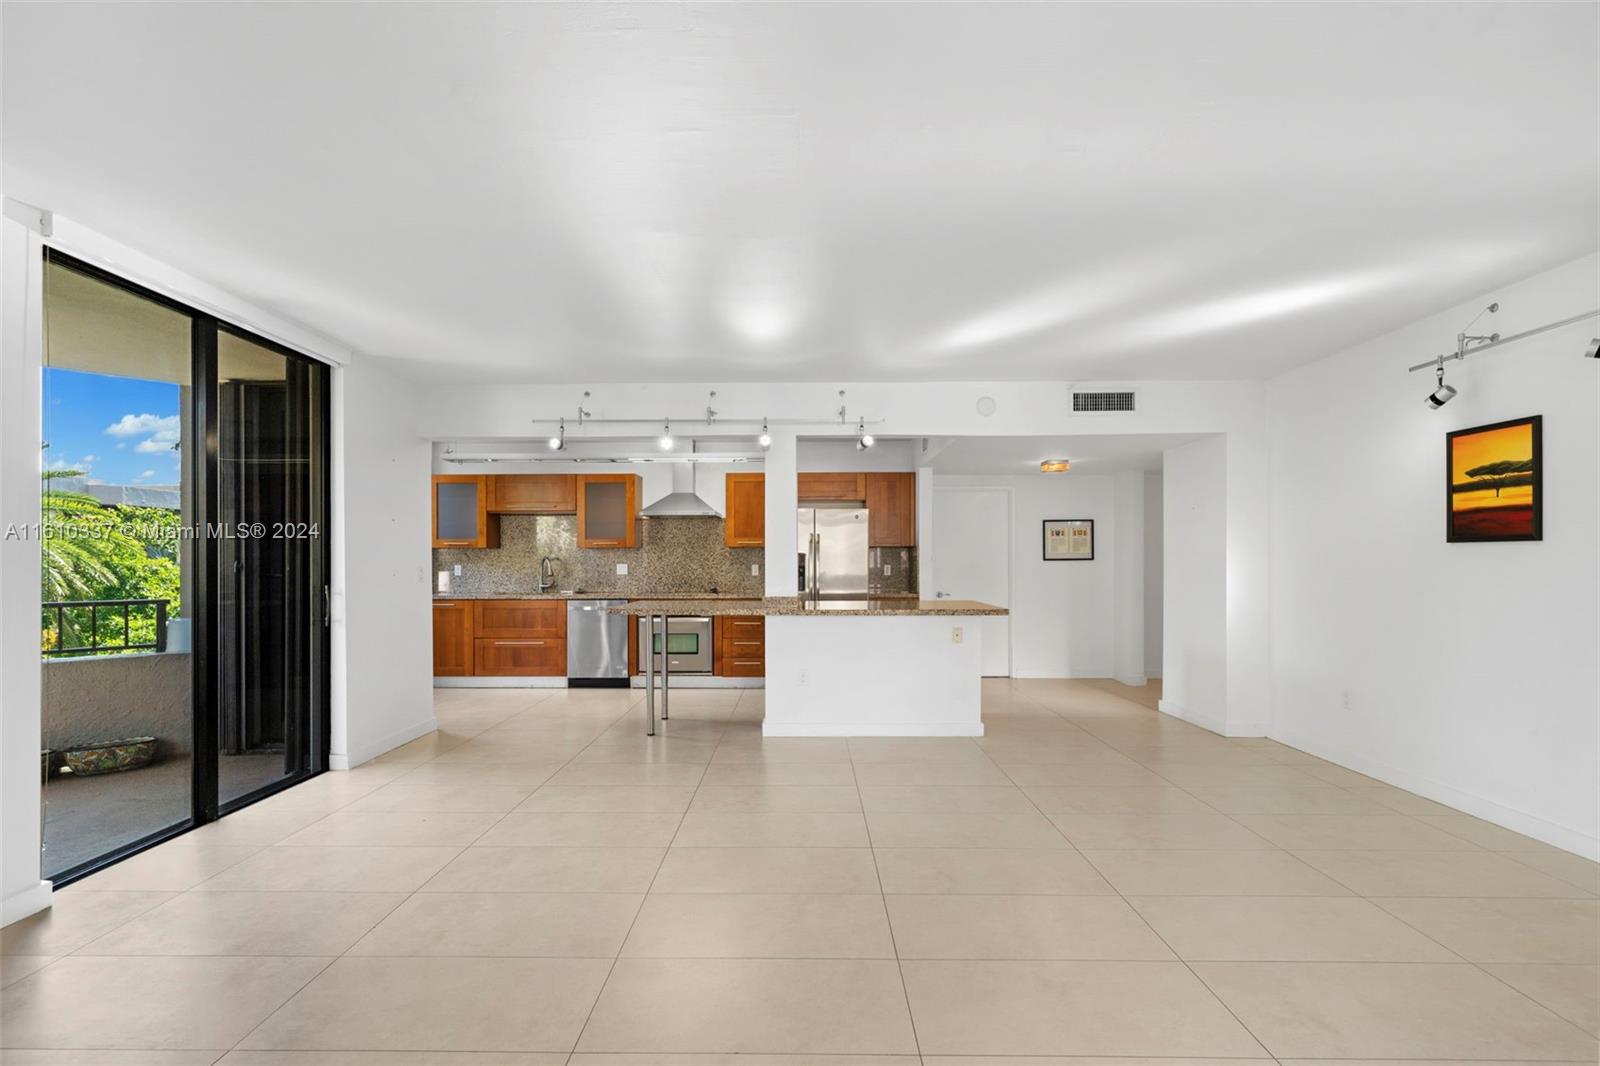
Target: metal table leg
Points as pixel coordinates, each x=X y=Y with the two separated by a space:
x=650 y=675
x=666 y=666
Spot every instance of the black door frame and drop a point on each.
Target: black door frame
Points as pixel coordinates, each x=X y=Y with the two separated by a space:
x=201 y=466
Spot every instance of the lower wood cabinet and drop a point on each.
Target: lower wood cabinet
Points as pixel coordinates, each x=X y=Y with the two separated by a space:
x=452 y=639
x=514 y=619
x=741 y=646
x=519 y=657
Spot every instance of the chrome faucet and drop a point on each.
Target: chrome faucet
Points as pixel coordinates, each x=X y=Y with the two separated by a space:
x=547 y=574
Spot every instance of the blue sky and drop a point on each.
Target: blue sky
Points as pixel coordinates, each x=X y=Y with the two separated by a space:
x=119 y=430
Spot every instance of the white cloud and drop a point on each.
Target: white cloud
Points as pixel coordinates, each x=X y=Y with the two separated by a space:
x=87 y=459
x=161 y=442
x=148 y=473
x=138 y=425
x=122 y=444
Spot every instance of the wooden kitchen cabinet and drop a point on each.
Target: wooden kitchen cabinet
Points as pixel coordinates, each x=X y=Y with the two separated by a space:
x=520 y=657
x=608 y=510
x=746 y=522
x=519 y=638
x=452 y=638
x=831 y=488
x=461 y=517
x=892 y=510
x=533 y=494
x=519 y=618
x=741 y=646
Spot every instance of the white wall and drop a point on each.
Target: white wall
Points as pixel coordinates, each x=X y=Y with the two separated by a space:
x=1062 y=613
x=21 y=891
x=1152 y=575
x=827 y=455
x=382 y=618
x=1127 y=560
x=1465 y=672
x=1194 y=574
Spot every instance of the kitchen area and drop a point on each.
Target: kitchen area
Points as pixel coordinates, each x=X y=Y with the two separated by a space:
x=617 y=579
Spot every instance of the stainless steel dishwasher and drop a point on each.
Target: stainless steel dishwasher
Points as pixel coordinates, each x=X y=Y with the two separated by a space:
x=597 y=645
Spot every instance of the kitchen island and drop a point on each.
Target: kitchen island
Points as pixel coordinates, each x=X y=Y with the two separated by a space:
x=861 y=667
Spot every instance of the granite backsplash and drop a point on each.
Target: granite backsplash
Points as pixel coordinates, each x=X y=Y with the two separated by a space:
x=674 y=555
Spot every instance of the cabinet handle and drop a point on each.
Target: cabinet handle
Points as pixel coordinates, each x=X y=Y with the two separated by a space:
x=438 y=604
x=518 y=643
x=747 y=623
x=747 y=662
x=757 y=643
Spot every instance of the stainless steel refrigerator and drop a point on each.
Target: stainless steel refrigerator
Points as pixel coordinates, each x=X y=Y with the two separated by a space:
x=833 y=552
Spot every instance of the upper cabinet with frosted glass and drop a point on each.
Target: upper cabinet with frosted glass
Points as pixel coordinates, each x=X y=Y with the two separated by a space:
x=608 y=510
x=461 y=517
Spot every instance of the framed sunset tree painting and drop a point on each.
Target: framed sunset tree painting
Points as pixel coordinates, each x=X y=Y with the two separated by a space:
x=1495 y=489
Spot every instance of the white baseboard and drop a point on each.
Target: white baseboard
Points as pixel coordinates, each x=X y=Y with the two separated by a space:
x=367 y=752
x=705 y=681
x=1215 y=725
x=1552 y=833
x=29 y=901
x=499 y=682
x=871 y=729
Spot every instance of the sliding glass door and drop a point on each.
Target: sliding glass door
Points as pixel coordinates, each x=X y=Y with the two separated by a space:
x=185 y=568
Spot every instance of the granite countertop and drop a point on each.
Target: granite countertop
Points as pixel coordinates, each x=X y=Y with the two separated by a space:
x=884 y=606
x=594 y=594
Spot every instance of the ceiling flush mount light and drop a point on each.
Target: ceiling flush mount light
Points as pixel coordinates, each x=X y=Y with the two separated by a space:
x=666 y=441
x=559 y=441
x=765 y=440
x=1055 y=466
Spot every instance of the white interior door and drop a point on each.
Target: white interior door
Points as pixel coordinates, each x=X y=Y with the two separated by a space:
x=972 y=561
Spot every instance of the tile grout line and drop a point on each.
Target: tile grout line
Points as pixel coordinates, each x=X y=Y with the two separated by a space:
x=644 y=898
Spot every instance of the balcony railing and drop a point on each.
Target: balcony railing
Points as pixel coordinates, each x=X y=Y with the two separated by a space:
x=106 y=608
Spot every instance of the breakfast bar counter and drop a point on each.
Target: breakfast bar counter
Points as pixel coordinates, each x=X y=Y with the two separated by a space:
x=881 y=667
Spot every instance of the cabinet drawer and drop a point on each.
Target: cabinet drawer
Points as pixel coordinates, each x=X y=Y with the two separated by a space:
x=523 y=657
x=744 y=666
x=520 y=619
x=734 y=626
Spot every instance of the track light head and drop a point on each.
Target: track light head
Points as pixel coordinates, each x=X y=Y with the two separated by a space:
x=765 y=440
x=559 y=441
x=864 y=440
x=666 y=442
x=1593 y=351
x=1444 y=393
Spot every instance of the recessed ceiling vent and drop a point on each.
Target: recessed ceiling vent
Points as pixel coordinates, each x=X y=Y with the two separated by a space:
x=1102 y=402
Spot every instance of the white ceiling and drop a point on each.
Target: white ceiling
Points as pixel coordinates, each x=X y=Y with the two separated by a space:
x=615 y=192
x=1088 y=454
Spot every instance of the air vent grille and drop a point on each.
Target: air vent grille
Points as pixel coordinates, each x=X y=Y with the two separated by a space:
x=1091 y=402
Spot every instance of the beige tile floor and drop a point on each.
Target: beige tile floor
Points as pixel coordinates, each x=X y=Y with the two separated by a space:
x=1090 y=883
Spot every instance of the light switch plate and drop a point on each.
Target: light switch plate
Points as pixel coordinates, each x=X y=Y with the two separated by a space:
x=755 y=569
x=888 y=569
x=458 y=570
x=622 y=568
x=955 y=634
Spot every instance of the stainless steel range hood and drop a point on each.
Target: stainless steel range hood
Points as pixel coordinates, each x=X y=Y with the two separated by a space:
x=681 y=502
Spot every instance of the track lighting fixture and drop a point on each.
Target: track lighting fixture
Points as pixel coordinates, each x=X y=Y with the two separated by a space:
x=765 y=440
x=1593 y=351
x=1444 y=393
x=559 y=441
x=666 y=442
x=864 y=440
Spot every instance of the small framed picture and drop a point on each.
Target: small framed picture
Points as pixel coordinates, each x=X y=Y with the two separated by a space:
x=1494 y=482
x=1068 y=538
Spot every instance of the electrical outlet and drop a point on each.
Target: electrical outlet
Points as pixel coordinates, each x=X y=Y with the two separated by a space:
x=955 y=634
x=755 y=569
x=888 y=569
x=457 y=569
x=622 y=569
